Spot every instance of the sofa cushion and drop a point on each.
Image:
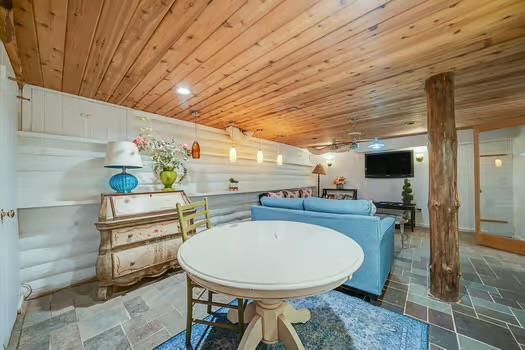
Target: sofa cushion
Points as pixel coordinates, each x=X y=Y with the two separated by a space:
x=278 y=194
x=355 y=207
x=306 y=192
x=292 y=194
x=285 y=203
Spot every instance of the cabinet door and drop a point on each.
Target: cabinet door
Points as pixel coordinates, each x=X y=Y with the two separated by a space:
x=73 y=121
x=89 y=119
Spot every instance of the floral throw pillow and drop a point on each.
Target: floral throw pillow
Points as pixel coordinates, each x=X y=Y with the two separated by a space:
x=279 y=194
x=292 y=194
x=306 y=192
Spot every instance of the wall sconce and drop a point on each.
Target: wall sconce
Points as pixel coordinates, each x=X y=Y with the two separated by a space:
x=329 y=158
x=498 y=163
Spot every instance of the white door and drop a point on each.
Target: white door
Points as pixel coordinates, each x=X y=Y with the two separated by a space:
x=9 y=280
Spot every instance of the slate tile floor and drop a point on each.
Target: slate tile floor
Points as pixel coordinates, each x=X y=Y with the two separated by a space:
x=491 y=313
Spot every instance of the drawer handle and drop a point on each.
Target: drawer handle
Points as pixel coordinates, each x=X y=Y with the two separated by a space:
x=130 y=236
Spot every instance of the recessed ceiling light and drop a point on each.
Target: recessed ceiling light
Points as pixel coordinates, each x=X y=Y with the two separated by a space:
x=183 y=90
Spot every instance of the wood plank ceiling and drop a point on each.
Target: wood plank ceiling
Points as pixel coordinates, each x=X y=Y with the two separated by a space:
x=304 y=71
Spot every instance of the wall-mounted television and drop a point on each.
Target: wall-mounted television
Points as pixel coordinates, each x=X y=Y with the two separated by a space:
x=397 y=164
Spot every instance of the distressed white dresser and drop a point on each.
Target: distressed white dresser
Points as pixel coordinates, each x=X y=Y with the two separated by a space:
x=139 y=237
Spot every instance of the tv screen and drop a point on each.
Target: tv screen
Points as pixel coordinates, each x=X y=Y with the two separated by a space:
x=389 y=164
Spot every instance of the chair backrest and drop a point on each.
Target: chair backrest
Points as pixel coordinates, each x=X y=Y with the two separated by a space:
x=193 y=216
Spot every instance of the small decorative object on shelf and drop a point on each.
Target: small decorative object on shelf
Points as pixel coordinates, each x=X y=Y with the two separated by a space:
x=419 y=157
x=234 y=184
x=339 y=182
x=123 y=155
x=407 y=192
x=169 y=158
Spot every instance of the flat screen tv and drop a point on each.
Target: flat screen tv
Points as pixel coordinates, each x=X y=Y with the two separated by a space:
x=396 y=164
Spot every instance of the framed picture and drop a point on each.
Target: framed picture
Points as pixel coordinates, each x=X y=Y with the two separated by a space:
x=342 y=194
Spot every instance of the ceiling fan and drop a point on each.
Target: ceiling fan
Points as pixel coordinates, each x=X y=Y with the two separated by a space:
x=339 y=146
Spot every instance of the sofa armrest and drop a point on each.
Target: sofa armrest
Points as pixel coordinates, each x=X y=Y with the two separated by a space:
x=385 y=224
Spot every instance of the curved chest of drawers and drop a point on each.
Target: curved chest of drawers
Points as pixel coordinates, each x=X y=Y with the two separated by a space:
x=139 y=237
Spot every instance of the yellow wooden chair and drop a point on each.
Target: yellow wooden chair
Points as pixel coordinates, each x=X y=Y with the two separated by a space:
x=191 y=217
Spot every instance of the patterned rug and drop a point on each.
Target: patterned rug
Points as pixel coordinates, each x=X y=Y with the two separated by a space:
x=338 y=321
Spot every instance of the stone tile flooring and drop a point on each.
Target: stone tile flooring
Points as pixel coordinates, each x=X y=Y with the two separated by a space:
x=491 y=313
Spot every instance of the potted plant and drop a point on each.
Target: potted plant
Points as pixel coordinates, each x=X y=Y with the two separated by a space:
x=169 y=158
x=234 y=184
x=406 y=194
x=340 y=182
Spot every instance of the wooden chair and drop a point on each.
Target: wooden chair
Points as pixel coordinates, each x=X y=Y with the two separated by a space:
x=191 y=217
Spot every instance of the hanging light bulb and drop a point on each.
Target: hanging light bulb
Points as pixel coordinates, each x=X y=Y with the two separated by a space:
x=260 y=156
x=195 y=147
x=233 y=154
x=233 y=150
x=279 y=159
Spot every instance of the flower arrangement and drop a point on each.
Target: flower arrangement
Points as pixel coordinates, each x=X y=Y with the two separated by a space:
x=166 y=155
x=340 y=180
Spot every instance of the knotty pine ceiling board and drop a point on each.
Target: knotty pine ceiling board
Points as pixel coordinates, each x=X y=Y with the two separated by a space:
x=304 y=71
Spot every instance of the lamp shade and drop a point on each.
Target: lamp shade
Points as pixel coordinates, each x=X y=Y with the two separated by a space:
x=122 y=154
x=319 y=170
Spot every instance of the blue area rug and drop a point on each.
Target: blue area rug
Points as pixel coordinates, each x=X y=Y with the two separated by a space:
x=338 y=321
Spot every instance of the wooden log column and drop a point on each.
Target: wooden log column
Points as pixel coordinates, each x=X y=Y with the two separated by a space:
x=443 y=200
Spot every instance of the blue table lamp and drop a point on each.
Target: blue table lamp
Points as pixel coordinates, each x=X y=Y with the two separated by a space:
x=123 y=155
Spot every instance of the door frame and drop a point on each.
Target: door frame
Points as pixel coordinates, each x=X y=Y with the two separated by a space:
x=485 y=238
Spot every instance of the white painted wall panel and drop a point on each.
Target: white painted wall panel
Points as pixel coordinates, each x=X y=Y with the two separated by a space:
x=60 y=171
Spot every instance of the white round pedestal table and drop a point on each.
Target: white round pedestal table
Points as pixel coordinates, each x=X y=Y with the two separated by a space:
x=270 y=262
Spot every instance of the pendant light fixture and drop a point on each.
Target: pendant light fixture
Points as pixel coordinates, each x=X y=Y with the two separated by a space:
x=376 y=144
x=260 y=156
x=233 y=150
x=279 y=159
x=195 y=147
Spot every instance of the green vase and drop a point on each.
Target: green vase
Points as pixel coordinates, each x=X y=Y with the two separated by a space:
x=168 y=176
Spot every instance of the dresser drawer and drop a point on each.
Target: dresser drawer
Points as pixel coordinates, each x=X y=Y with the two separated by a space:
x=138 y=258
x=123 y=236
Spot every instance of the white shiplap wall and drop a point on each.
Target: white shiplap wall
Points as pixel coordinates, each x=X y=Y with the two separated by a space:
x=60 y=176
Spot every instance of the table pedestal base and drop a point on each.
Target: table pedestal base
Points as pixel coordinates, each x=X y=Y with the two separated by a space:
x=270 y=322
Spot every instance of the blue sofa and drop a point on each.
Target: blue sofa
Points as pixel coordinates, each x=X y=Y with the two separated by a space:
x=353 y=218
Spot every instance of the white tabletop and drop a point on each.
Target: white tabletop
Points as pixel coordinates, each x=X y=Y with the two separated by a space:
x=270 y=255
